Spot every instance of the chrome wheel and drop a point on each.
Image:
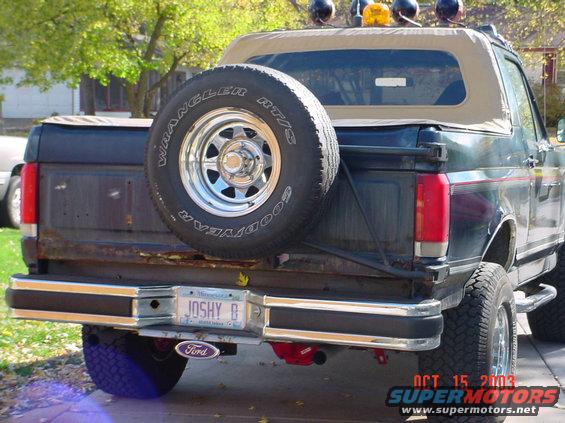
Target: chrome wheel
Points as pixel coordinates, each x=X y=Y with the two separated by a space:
x=501 y=345
x=14 y=205
x=230 y=162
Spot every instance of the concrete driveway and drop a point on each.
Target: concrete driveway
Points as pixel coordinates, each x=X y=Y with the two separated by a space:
x=255 y=386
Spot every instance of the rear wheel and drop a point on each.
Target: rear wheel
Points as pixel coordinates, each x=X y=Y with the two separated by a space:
x=548 y=322
x=128 y=365
x=479 y=337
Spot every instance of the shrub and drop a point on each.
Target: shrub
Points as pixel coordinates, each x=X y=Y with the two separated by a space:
x=555 y=102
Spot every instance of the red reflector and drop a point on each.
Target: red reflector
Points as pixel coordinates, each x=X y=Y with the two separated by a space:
x=29 y=193
x=432 y=208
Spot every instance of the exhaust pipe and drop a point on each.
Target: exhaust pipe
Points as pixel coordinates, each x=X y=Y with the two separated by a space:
x=304 y=354
x=321 y=356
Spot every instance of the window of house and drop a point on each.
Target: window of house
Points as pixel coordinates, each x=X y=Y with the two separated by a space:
x=113 y=97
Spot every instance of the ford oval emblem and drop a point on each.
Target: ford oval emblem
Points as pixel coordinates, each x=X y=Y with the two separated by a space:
x=197 y=349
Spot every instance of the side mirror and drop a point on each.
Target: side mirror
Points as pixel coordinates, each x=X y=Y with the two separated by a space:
x=561 y=130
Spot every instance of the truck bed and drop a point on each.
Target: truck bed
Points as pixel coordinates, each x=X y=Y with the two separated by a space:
x=96 y=214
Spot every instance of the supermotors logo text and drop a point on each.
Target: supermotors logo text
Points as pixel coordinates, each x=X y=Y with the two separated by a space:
x=449 y=401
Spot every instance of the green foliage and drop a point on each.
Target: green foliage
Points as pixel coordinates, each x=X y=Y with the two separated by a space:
x=554 y=102
x=525 y=23
x=61 y=40
x=24 y=341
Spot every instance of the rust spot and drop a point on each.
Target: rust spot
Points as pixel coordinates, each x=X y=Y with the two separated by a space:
x=54 y=246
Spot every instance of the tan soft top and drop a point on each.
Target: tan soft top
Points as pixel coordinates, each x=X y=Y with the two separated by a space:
x=484 y=108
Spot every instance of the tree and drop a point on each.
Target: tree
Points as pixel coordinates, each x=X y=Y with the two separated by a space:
x=66 y=40
x=526 y=23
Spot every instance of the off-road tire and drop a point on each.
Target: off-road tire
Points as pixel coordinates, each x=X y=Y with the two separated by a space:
x=9 y=216
x=309 y=161
x=548 y=321
x=467 y=336
x=125 y=364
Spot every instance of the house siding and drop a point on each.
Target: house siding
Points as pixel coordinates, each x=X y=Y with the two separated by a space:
x=32 y=103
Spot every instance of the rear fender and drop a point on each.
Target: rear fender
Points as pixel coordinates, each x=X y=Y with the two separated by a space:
x=504 y=220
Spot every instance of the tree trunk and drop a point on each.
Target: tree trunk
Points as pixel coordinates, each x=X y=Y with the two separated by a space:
x=148 y=103
x=135 y=100
x=87 y=98
x=163 y=95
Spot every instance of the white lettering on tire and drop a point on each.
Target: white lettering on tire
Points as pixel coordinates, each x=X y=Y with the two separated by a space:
x=183 y=110
x=246 y=230
x=281 y=119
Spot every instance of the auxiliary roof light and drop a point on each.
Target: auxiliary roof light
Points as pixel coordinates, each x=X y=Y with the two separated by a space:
x=405 y=11
x=356 y=11
x=449 y=11
x=321 y=11
x=376 y=14
x=362 y=4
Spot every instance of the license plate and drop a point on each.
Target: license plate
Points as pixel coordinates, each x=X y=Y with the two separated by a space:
x=211 y=308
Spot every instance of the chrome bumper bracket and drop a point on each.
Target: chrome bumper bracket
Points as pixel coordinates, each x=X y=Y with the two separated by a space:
x=531 y=302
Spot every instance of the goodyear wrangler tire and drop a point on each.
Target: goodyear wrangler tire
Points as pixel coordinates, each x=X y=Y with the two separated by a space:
x=240 y=161
x=479 y=338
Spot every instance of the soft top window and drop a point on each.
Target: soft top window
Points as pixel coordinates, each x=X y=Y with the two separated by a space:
x=374 y=77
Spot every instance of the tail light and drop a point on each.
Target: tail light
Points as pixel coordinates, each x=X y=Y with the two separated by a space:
x=431 y=230
x=28 y=208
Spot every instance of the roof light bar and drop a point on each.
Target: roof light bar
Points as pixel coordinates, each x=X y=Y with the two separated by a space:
x=321 y=11
x=449 y=11
x=405 y=12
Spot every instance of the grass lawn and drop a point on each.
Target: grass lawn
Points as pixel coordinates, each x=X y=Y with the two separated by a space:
x=23 y=341
x=32 y=352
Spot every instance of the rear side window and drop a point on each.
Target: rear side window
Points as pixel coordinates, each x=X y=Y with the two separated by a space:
x=374 y=77
x=522 y=102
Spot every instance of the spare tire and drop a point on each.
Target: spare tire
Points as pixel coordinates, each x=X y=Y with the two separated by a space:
x=240 y=161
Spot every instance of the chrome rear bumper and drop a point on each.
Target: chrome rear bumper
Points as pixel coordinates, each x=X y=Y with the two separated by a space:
x=152 y=311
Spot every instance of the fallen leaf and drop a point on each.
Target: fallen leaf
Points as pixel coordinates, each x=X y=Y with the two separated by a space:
x=242 y=279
